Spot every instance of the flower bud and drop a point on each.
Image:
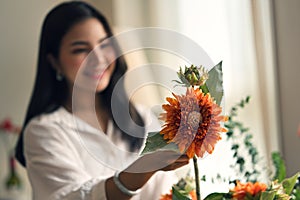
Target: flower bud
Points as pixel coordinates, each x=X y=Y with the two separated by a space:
x=192 y=76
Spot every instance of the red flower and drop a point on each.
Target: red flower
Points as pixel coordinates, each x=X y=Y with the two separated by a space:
x=7 y=126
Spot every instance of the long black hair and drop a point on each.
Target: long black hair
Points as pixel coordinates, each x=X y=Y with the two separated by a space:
x=49 y=93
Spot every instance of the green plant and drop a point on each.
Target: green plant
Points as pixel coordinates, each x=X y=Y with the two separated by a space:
x=242 y=145
x=246 y=164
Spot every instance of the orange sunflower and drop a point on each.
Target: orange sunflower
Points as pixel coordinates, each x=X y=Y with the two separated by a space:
x=241 y=190
x=192 y=121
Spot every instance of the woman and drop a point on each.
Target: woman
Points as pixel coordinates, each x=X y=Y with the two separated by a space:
x=55 y=145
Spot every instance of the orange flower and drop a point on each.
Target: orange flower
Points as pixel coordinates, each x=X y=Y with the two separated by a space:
x=192 y=121
x=166 y=196
x=193 y=195
x=241 y=190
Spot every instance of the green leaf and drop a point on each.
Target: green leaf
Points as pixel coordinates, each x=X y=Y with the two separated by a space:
x=215 y=83
x=217 y=196
x=235 y=146
x=229 y=134
x=155 y=141
x=297 y=193
x=280 y=171
x=267 y=195
x=176 y=195
x=289 y=183
x=242 y=104
x=247 y=99
x=244 y=130
x=241 y=162
x=204 y=88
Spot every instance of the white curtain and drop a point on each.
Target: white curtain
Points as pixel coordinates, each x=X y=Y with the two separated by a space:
x=241 y=34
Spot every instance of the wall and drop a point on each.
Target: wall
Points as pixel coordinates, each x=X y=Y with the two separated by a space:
x=287 y=29
x=20 y=23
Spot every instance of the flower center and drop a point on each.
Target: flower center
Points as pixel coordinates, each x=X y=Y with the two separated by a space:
x=194 y=119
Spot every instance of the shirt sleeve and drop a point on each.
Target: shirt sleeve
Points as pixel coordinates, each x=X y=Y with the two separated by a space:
x=54 y=167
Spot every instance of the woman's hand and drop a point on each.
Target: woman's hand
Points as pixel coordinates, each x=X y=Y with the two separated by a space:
x=139 y=172
x=165 y=160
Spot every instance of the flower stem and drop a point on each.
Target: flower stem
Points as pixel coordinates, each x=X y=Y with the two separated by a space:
x=197 y=178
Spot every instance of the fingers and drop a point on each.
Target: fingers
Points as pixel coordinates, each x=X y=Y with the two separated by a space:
x=183 y=158
x=159 y=160
x=179 y=162
x=175 y=165
x=172 y=156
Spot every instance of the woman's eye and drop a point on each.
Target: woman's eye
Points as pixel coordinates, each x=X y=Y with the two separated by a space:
x=76 y=51
x=105 y=45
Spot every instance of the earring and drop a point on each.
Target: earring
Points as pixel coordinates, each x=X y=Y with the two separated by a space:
x=59 y=76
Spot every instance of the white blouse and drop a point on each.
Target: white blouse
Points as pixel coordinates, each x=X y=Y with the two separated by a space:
x=69 y=159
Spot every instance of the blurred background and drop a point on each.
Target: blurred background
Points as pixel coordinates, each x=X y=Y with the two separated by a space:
x=257 y=40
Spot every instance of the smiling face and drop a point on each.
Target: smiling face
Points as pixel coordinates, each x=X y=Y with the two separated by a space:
x=86 y=55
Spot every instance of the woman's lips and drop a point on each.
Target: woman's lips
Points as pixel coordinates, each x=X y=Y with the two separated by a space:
x=95 y=75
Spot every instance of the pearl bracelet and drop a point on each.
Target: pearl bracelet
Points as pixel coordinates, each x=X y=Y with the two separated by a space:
x=122 y=188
